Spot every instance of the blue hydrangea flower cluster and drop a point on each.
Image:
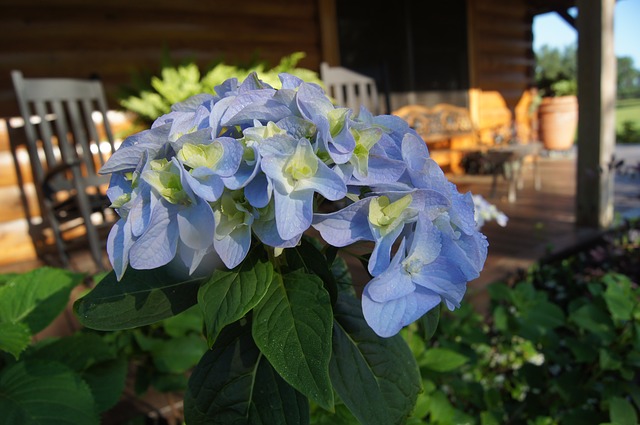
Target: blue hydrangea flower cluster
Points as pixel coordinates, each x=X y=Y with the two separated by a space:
x=252 y=161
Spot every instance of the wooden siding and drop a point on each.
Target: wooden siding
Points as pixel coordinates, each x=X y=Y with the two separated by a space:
x=502 y=68
x=116 y=39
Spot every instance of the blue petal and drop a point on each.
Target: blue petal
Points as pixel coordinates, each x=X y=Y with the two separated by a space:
x=394 y=282
x=234 y=247
x=326 y=182
x=119 y=243
x=293 y=212
x=344 y=227
x=386 y=319
x=196 y=225
x=289 y=81
x=204 y=184
x=268 y=234
x=312 y=101
x=141 y=208
x=258 y=191
x=231 y=158
x=128 y=156
x=157 y=246
x=381 y=170
x=245 y=174
x=381 y=253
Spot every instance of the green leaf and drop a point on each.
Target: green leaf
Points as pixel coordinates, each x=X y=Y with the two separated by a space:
x=292 y=327
x=188 y=322
x=307 y=257
x=376 y=378
x=274 y=401
x=593 y=319
x=178 y=355
x=93 y=359
x=228 y=295
x=142 y=297
x=442 y=360
x=621 y=412
x=36 y=298
x=107 y=382
x=14 y=338
x=619 y=296
x=45 y=393
x=430 y=322
x=234 y=384
x=77 y=352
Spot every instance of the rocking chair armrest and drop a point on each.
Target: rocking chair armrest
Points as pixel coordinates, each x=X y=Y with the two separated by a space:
x=47 y=187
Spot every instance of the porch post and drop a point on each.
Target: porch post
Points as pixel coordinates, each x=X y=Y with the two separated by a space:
x=596 y=127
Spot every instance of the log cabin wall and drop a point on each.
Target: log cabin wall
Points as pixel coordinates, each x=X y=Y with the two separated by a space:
x=501 y=68
x=117 y=39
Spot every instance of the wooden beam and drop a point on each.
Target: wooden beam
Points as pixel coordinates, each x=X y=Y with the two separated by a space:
x=329 y=32
x=596 y=127
x=564 y=14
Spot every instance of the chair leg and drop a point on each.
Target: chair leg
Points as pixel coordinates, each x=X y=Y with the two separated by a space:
x=60 y=245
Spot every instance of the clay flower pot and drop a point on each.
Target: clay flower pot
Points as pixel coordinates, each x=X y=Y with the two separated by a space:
x=558 y=120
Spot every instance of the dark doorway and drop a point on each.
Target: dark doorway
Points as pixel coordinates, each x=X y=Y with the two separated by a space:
x=406 y=45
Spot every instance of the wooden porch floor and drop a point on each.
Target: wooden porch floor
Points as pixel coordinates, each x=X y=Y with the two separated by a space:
x=541 y=223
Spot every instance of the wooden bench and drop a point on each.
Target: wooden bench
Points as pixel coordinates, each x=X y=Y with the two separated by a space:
x=450 y=134
x=447 y=130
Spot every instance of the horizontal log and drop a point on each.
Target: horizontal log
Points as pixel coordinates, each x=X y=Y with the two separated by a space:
x=221 y=7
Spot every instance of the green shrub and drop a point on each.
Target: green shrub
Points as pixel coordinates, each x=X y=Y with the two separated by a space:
x=177 y=83
x=561 y=346
x=630 y=133
x=56 y=380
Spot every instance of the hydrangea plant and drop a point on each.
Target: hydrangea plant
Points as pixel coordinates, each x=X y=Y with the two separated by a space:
x=218 y=202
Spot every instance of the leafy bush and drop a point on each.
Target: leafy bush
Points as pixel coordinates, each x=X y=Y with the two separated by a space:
x=57 y=380
x=178 y=83
x=630 y=133
x=561 y=346
x=76 y=378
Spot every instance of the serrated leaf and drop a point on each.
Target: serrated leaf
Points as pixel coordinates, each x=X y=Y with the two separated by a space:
x=593 y=319
x=36 y=298
x=229 y=295
x=234 y=384
x=273 y=401
x=621 y=412
x=107 y=382
x=78 y=351
x=619 y=297
x=14 y=338
x=292 y=327
x=376 y=378
x=187 y=322
x=307 y=257
x=45 y=393
x=93 y=359
x=178 y=355
x=442 y=360
x=142 y=297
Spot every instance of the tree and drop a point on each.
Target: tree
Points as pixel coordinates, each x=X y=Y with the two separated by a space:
x=628 y=78
x=555 y=65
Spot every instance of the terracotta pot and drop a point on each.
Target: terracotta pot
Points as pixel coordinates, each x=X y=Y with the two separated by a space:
x=558 y=121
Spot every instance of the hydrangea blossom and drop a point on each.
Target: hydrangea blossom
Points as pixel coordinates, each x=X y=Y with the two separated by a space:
x=251 y=163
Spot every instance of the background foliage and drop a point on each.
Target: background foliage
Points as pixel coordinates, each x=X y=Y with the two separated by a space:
x=151 y=97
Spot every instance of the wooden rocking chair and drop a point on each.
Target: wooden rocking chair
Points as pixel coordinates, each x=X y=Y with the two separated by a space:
x=350 y=89
x=64 y=130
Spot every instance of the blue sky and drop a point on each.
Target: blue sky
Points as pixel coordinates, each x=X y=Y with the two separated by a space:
x=553 y=30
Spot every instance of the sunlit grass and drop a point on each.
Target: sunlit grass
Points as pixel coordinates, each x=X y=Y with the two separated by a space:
x=627 y=110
